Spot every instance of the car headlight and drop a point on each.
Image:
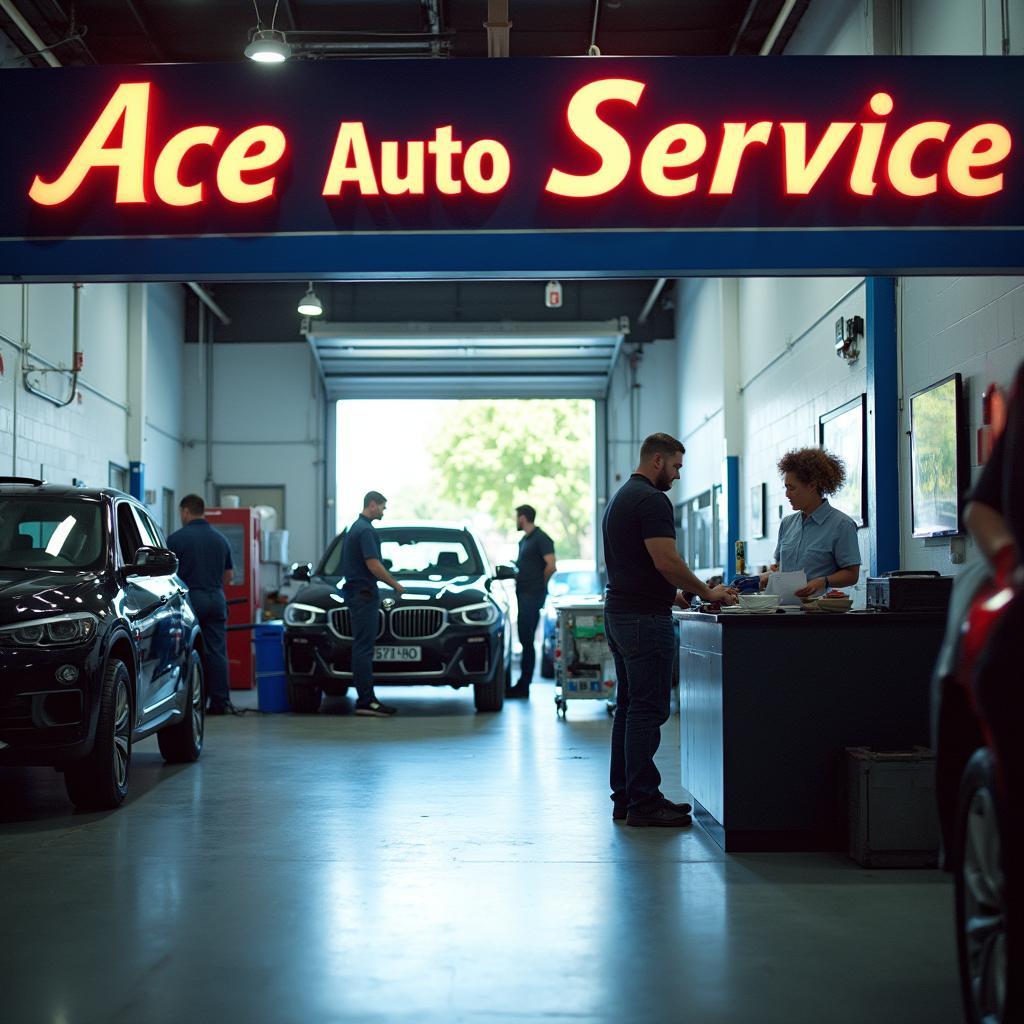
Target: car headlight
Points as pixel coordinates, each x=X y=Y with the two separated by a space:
x=59 y=631
x=483 y=614
x=304 y=615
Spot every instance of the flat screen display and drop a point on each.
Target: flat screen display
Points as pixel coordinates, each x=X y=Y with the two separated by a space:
x=937 y=456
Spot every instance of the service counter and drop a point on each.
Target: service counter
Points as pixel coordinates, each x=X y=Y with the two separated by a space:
x=769 y=704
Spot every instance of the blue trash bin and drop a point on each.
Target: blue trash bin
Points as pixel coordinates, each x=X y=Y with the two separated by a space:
x=271 y=679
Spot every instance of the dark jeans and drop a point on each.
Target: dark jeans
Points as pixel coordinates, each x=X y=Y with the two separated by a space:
x=529 y=615
x=212 y=611
x=364 y=605
x=644 y=650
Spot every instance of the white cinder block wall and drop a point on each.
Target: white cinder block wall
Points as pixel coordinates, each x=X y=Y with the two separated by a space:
x=81 y=440
x=790 y=376
x=971 y=325
x=267 y=430
x=655 y=406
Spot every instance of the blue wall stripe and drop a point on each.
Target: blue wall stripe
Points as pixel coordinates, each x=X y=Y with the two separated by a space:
x=578 y=254
x=883 y=425
x=731 y=483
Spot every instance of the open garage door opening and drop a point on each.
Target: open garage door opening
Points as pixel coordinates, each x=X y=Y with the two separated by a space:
x=473 y=461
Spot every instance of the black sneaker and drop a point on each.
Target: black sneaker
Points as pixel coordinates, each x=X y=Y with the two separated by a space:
x=621 y=811
x=662 y=814
x=220 y=709
x=519 y=691
x=374 y=709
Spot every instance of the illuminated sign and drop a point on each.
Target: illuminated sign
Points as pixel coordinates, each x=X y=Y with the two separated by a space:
x=967 y=161
x=520 y=146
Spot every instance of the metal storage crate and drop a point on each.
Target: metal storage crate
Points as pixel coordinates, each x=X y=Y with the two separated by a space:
x=584 y=669
x=893 y=817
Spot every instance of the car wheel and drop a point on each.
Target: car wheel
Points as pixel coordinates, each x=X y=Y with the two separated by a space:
x=100 y=781
x=981 y=920
x=303 y=698
x=547 y=667
x=491 y=696
x=182 y=742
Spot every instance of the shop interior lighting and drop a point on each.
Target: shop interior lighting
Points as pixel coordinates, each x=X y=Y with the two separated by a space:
x=268 y=46
x=309 y=304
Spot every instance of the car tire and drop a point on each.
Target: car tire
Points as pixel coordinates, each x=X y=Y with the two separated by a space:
x=491 y=696
x=547 y=667
x=303 y=698
x=100 y=780
x=981 y=912
x=182 y=743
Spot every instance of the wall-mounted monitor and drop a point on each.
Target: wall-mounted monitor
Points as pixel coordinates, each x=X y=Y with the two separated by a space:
x=939 y=467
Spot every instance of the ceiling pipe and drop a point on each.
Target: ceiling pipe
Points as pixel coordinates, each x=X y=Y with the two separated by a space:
x=29 y=33
x=427 y=47
x=208 y=301
x=498 y=26
x=743 y=26
x=652 y=298
x=777 y=26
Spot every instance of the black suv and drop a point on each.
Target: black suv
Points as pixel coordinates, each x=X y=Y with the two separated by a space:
x=99 y=646
x=449 y=628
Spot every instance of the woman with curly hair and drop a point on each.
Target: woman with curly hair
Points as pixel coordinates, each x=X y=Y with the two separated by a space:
x=817 y=538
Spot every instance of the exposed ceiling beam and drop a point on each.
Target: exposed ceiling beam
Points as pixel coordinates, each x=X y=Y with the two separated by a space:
x=498 y=27
x=143 y=22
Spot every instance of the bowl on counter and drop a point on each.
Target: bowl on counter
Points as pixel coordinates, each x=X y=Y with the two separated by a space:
x=835 y=604
x=759 y=602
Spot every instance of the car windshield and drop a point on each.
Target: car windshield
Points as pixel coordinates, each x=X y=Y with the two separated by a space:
x=417 y=554
x=50 y=533
x=581 y=582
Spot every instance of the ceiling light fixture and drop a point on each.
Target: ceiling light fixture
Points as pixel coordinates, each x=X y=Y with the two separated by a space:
x=268 y=46
x=309 y=304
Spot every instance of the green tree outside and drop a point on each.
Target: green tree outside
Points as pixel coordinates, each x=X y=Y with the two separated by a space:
x=492 y=455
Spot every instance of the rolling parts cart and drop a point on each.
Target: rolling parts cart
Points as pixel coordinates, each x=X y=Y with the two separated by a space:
x=584 y=668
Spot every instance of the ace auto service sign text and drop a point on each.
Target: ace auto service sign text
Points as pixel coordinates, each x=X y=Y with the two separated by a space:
x=537 y=146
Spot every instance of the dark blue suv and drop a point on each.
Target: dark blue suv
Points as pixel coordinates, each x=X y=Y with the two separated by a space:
x=99 y=646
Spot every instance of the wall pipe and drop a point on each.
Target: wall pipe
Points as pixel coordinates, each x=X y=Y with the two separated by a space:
x=208 y=301
x=26 y=368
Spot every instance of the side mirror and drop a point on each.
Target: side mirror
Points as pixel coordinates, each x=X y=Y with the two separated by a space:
x=505 y=572
x=153 y=562
x=303 y=573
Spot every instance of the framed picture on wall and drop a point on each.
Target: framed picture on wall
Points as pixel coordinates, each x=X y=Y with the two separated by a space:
x=758 y=528
x=844 y=432
x=939 y=458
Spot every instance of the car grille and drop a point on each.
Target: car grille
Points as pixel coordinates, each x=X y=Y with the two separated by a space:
x=341 y=623
x=417 y=623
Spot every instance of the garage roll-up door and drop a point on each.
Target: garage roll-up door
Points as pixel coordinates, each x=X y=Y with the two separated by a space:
x=507 y=359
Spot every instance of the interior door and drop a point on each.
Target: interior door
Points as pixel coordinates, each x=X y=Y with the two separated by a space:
x=171 y=672
x=145 y=608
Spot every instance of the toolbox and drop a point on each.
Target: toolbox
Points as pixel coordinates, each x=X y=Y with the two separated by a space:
x=910 y=591
x=893 y=817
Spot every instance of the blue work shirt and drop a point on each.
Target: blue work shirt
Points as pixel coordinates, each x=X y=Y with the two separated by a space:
x=204 y=555
x=360 y=543
x=821 y=544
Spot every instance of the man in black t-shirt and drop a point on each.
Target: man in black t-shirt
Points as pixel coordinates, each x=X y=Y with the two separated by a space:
x=645 y=576
x=536 y=563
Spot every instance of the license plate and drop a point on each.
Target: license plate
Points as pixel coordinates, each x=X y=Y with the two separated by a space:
x=391 y=653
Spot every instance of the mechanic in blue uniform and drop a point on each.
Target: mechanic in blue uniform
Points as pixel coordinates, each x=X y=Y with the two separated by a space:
x=361 y=565
x=818 y=538
x=204 y=563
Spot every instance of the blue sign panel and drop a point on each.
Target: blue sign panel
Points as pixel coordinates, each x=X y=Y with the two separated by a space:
x=574 y=167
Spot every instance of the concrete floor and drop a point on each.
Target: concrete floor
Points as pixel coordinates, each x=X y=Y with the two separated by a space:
x=442 y=866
